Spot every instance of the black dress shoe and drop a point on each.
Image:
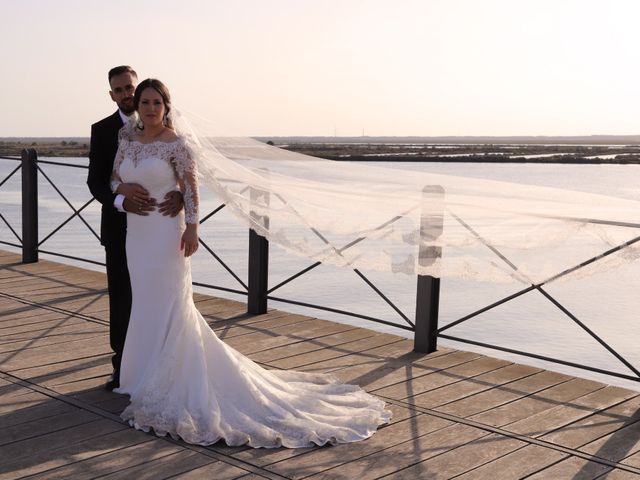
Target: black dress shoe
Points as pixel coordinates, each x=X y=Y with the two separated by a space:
x=113 y=381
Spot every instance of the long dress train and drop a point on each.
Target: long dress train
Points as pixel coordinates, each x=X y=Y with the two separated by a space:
x=182 y=379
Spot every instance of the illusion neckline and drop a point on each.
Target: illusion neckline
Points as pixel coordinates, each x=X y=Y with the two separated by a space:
x=155 y=141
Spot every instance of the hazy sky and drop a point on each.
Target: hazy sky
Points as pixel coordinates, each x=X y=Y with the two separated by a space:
x=307 y=67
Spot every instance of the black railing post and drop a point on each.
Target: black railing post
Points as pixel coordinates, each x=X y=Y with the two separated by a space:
x=428 y=287
x=258 y=258
x=29 y=206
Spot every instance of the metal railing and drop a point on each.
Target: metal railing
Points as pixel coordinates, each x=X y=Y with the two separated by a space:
x=256 y=287
x=425 y=324
x=11 y=228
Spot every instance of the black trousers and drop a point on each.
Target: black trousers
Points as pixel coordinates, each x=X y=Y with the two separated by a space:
x=119 y=286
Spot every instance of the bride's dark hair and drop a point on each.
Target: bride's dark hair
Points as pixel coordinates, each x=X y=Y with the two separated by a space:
x=162 y=89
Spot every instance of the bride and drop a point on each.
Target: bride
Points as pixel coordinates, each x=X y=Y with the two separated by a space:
x=181 y=378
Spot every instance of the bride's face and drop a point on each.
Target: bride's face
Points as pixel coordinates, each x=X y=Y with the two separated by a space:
x=151 y=108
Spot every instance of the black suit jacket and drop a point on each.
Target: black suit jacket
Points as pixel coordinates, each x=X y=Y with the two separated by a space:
x=102 y=152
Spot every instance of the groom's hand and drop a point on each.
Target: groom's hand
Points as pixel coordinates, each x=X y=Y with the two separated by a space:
x=172 y=204
x=133 y=207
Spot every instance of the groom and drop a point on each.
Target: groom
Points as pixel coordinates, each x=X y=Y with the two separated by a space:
x=113 y=224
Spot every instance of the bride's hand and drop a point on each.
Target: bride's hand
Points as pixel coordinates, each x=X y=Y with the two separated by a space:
x=189 y=241
x=136 y=194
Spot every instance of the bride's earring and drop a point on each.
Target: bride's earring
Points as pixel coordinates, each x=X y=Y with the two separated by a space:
x=140 y=125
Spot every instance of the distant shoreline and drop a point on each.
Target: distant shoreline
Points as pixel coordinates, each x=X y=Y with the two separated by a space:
x=599 y=149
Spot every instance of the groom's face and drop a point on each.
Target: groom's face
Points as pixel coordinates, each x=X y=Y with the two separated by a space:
x=123 y=87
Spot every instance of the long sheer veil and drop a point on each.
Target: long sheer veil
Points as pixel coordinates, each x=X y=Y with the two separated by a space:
x=359 y=216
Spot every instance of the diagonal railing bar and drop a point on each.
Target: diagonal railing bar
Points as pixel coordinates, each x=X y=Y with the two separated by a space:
x=384 y=297
x=541 y=357
x=551 y=298
x=532 y=287
x=67 y=221
x=589 y=331
x=10 y=228
x=563 y=273
x=18 y=245
x=487 y=308
x=594 y=221
x=68 y=202
x=593 y=259
x=10 y=175
x=336 y=310
x=216 y=210
x=489 y=246
x=301 y=272
x=63 y=164
x=224 y=265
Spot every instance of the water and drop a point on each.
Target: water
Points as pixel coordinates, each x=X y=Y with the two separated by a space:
x=606 y=302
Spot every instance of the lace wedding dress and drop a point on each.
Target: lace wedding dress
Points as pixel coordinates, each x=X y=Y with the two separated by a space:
x=182 y=379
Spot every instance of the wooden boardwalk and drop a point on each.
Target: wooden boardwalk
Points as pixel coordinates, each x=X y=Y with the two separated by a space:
x=456 y=414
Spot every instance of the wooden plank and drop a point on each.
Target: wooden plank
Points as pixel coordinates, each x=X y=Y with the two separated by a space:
x=37 y=412
x=37 y=427
x=518 y=464
x=54 y=329
x=596 y=426
x=60 y=438
x=38 y=320
x=34 y=373
x=215 y=470
x=268 y=327
x=473 y=385
x=283 y=335
x=618 y=446
x=405 y=454
x=617 y=474
x=406 y=368
x=16 y=402
x=575 y=468
x=441 y=378
x=317 y=344
x=100 y=371
x=461 y=459
x=541 y=401
x=163 y=467
x=49 y=338
x=325 y=356
x=504 y=394
x=49 y=459
x=244 y=320
x=368 y=360
x=114 y=461
x=562 y=415
x=51 y=354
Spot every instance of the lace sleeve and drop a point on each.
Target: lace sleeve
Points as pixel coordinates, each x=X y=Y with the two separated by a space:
x=187 y=172
x=124 y=135
x=115 y=175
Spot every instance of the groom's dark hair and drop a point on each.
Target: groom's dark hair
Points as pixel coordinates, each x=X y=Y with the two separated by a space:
x=120 y=70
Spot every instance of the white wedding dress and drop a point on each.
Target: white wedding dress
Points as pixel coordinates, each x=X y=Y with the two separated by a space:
x=182 y=379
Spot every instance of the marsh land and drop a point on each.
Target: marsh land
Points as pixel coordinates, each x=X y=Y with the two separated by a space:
x=567 y=150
